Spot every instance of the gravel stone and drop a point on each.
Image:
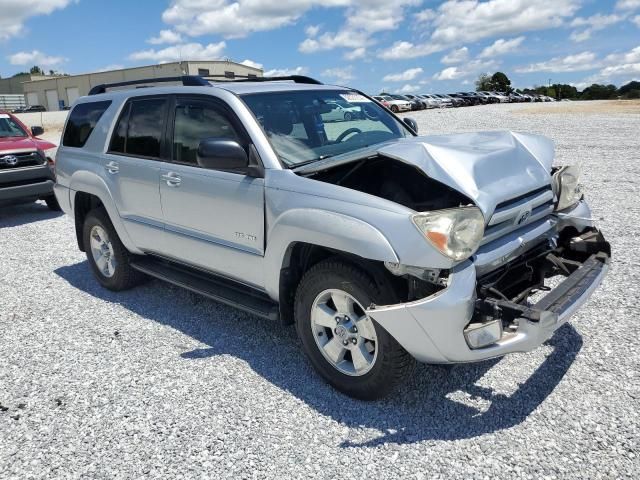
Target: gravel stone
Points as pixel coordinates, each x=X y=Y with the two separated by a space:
x=161 y=383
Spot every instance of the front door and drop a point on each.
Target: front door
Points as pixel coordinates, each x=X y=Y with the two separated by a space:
x=214 y=219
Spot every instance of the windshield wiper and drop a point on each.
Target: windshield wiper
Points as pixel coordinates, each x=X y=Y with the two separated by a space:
x=307 y=162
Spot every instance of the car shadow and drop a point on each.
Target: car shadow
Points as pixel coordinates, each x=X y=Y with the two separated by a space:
x=428 y=407
x=14 y=215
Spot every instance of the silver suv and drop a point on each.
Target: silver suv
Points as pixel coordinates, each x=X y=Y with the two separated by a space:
x=381 y=246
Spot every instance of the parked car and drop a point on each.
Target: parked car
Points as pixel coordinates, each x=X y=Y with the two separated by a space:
x=446 y=101
x=413 y=104
x=26 y=163
x=396 y=104
x=19 y=110
x=419 y=102
x=517 y=97
x=457 y=101
x=433 y=101
x=429 y=101
x=34 y=108
x=379 y=245
x=341 y=110
x=382 y=101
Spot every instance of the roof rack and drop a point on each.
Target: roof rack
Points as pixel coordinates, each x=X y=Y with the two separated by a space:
x=187 y=81
x=247 y=78
x=198 y=81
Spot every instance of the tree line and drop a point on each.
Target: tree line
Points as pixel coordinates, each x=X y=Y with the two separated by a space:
x=499 y=82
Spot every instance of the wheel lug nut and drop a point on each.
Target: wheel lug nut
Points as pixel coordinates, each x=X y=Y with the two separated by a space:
x=354 y=330
x=337 y=319
x=354 y=341
x=344 y=342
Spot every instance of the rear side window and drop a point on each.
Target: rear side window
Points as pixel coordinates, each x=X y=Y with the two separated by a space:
x=139 y=129
x=82 y=121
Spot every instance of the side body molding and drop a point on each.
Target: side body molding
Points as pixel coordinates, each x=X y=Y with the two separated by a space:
x=325 y=229
x=89 y=182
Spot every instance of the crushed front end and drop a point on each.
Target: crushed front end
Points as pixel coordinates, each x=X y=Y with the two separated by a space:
x=514 y=293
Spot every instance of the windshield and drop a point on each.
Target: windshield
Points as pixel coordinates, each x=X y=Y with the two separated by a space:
x=9 y=127
x=306 y=126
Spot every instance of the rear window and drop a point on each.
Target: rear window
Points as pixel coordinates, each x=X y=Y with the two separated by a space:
x=140 y=127
x=82 y=121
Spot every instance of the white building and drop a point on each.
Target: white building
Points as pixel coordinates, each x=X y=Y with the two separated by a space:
x=60 y=92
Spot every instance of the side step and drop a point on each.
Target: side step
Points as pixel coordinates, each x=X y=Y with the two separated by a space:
x=214 y=287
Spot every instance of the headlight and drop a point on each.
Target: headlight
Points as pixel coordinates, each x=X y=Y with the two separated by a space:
x=50 y=153
x=565 y=182
x=456 y=232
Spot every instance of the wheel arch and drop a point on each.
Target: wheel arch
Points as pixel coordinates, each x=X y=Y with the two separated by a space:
x=88 y=191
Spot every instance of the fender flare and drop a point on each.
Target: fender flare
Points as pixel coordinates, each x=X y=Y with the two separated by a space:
x=88 y=182
x=324 y=229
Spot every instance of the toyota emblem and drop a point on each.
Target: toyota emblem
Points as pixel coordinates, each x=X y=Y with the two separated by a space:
x=10 y=160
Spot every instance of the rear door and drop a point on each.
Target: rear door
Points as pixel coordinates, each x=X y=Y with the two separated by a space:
x=133 y=168
x=214 y=219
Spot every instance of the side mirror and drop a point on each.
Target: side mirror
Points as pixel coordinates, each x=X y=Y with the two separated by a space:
x=411 y=123
x=225 y=154
x=35 y=131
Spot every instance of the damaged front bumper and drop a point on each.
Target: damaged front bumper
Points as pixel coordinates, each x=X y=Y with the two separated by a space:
x=473 y=320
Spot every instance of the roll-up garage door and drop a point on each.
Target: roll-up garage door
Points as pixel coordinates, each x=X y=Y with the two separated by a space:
x=52 y=100
x=72 y=95
x=32 y=98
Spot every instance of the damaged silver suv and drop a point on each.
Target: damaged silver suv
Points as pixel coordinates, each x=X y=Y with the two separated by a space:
x=381 y=246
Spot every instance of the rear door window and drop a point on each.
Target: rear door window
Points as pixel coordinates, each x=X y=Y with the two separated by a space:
x=140 y=128
x=82 y=120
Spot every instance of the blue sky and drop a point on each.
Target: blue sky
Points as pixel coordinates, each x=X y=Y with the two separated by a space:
x=400 y=45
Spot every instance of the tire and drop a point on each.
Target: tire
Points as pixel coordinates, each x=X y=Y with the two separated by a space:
x=383 y=363
x=116 y=274
x=52 y=203
x=394 y=108
x=348 y=117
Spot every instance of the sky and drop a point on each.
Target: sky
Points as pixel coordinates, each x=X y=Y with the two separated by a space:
x=406 y=46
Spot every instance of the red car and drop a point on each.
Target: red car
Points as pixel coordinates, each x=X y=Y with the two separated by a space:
x=26 y=163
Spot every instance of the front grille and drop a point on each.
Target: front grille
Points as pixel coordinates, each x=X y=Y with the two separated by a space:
x=519 y=212
x=20 y=160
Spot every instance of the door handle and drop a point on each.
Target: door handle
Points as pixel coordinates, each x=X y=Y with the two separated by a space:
x=112 y=167
x=172 y=179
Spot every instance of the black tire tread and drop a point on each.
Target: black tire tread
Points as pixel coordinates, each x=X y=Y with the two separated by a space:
x=399 y=364
x=126 y=277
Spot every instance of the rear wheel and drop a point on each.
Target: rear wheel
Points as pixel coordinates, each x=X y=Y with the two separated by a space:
x=108 y=258
x=348 y=116
x=347 y=347
x=394 y=108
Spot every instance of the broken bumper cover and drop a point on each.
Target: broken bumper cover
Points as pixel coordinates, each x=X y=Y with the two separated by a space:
x=433 y=329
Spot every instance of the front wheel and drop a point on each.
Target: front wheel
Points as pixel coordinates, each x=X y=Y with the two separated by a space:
x=347 y=347
x=395 y=109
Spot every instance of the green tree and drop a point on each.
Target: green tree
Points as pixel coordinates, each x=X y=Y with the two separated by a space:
x=500 y=83
x=599 y=92
x=483 y=82
x=625 y=90
x=36 y=70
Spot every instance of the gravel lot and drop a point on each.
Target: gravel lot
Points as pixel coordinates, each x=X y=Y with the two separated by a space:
x=160 y=382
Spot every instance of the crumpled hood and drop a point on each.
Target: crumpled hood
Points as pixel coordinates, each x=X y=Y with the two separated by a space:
x=488 y=167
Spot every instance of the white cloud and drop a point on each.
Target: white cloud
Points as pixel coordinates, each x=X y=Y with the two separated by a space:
x=186 y=51
x=285 y=72
x=456 y=56
x=466 y=70
x=571 y=63
x=450 y=73
x=363 y=19
x=341 y=74
x=16 y=12
x=312 y=30
x=356 y=53
x=501 y=47
x=108 y=68
x=408 y=88
x=165 y=36
x=636 y=20
x=35 y=57
x=593 y=24
x=627 y=4
x=405 y=76
x=251 y=63
x=467 y=21
x=425 y=16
